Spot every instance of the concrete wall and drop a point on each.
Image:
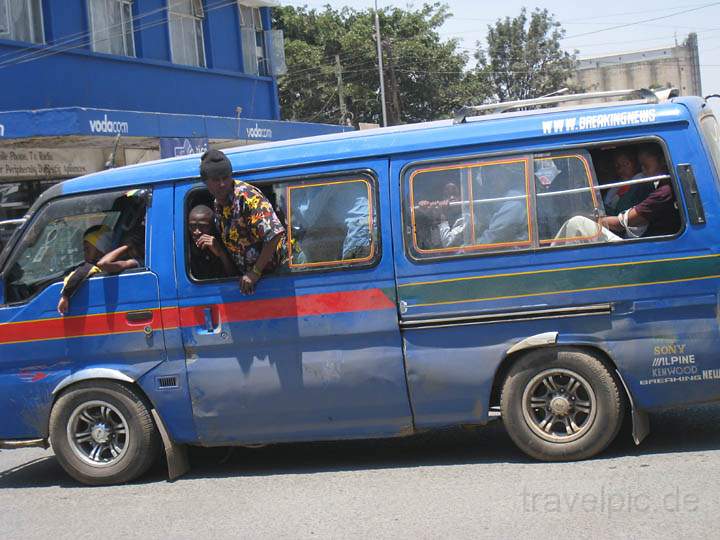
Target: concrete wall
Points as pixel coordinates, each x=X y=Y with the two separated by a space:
x=676 y=67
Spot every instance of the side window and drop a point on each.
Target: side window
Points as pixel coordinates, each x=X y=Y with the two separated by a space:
x=54 y=244
x=469 y=206
x=564 y=189
x=610 y=192
x=330 y=223
x=635 y=197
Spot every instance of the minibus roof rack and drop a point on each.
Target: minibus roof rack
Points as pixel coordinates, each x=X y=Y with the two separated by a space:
x=642 y=94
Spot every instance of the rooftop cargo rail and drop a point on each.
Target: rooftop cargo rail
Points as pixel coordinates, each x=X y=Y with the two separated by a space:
x=641 y=95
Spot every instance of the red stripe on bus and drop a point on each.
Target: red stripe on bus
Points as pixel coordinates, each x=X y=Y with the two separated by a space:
x=291 y=306
x=70 y=327
x=172 y=317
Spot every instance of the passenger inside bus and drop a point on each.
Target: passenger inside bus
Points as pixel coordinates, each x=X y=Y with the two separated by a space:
x=621 y=198
x=655 y=215
x=444 y=222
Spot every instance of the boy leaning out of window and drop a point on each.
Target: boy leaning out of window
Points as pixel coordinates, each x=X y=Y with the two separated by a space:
x=99 y=257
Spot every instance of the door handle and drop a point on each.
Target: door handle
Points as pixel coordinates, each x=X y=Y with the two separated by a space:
x=139 y=317
x=209 y=327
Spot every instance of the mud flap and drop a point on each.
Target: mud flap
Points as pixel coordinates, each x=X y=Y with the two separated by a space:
x=640 y=419
x=176 y=454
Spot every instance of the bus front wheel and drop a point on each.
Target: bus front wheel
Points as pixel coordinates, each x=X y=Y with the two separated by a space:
x=561 y=404
x=102 y=433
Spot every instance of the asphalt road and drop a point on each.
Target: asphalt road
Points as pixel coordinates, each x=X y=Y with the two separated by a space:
x=458 y=485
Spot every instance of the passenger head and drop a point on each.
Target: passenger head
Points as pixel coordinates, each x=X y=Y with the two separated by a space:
x=451 y=192
x=216 y=172
x=652 y=160
x=97 y=241
x=200 y=221
x=626 y=164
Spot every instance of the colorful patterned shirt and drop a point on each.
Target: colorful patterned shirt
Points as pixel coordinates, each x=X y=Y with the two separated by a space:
x=248 y=223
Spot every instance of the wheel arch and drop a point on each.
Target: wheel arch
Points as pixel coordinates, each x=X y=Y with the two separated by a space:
x=640 y=422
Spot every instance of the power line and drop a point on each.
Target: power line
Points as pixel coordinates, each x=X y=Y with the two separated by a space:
x=642 y=21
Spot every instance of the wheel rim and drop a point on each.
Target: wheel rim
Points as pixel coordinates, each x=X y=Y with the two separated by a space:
x=559 y=405
x=98 y=433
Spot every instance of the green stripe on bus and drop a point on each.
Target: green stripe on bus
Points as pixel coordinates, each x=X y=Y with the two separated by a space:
x=556 y=281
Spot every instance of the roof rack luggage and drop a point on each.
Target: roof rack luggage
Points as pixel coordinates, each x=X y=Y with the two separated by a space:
x=643 y=95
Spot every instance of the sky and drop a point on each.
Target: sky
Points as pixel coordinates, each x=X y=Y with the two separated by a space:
x=591 y=27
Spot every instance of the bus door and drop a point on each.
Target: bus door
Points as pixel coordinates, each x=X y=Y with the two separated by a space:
x=315 y=352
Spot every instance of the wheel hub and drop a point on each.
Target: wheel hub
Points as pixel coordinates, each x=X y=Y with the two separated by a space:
x=100 y=433
x=560 y=405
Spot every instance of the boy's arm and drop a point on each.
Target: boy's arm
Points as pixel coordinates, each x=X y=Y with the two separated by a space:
x=110 y=263
x=72 y=283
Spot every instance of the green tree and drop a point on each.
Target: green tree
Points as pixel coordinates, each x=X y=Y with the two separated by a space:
x=524 y=59
x=426 y=77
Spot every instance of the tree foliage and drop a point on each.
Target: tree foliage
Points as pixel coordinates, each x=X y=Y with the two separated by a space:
x=426 y=77
x=524 y=59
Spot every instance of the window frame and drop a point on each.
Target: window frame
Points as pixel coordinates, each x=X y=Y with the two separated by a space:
x=589 y=174
x=257 y=27
x=524 y=158
x=531 y=151
x=198 y=17
x=38 y=214
x=118 y=25
x=35 y=25
x=376 y=249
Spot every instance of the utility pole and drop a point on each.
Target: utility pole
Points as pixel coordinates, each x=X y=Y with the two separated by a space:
x=380 y=65
x=393 y=87
x=341 y=93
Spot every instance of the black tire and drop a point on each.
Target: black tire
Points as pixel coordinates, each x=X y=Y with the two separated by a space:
x=127 y=453
x=533 y=393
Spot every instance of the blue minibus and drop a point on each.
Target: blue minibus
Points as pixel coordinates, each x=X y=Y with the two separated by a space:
x=439 y=274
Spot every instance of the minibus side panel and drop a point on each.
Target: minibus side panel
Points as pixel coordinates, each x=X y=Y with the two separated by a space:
x=310 y=355
x=650 y=306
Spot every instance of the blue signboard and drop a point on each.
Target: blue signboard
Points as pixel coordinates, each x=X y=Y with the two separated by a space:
x=109 y=123
x=178 y=146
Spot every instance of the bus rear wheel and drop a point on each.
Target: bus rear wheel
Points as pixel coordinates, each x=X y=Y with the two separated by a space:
x=561 y=404
x=102 y=433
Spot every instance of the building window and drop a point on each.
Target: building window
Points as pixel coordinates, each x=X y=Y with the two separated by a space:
x=21 y=20
x=253 y=41
x=186 y=33
x=111 y=26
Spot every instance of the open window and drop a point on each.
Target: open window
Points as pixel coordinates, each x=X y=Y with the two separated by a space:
x=330 y=223
x=608 y=192
x=52 y=246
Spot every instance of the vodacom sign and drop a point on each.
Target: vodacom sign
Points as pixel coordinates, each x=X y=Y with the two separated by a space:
x=108 y=126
